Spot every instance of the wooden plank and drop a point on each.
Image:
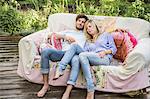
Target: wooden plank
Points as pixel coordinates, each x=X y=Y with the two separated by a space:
x=8 y=46
x=8 y=72
x=10 y=38
x=8 y=51
x=10 y=43
x=8 y=68
x=8 y=56
x=9 y=64
x=8 y=60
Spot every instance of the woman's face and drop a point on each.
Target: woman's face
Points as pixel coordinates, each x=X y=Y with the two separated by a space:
x=91 y=29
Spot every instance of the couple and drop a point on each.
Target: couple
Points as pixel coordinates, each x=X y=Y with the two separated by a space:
x=98 y=49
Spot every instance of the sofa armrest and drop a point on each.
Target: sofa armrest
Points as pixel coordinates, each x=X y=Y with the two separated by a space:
x=141 y=53
x=28 y=49
x=38 y=37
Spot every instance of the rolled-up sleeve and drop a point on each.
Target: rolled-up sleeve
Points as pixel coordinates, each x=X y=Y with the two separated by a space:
x=112 y=44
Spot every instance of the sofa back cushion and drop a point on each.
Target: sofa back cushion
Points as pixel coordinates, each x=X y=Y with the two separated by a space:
x=125 y=42
x=138 y=27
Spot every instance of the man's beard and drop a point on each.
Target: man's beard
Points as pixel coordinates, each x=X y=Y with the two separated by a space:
x=79 y=28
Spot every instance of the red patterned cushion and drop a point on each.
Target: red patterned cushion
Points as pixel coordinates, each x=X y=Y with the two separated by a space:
x=125 y=42
x=52 y=42
x=56 y=43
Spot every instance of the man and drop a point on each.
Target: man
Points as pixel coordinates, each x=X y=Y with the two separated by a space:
x=54 y=55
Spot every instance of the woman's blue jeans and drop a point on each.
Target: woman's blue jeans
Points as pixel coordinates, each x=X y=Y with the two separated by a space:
x=88 y=59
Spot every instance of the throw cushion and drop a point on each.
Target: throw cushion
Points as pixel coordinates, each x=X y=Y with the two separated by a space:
x=52 y=42
x=125 y=42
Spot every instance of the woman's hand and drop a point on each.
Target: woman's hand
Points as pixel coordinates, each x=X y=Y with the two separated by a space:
x=102 y=54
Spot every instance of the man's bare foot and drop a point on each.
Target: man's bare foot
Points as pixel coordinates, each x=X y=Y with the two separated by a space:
x=43 y=91
x=57 y=74
x=90 y=95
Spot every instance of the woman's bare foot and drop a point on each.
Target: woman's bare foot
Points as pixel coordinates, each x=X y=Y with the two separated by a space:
x=90 y=95
x=43 y=91
x=65 y=96
x=67 y=92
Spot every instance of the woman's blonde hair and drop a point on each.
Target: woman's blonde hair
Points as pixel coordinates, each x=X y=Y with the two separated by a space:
x=89 y=37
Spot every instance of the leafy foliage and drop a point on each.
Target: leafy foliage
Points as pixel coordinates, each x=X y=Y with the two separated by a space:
x=9 y=19
x=14 y=18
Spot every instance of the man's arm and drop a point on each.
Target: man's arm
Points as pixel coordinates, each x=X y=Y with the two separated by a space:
x=70 y=39
x=58 y=36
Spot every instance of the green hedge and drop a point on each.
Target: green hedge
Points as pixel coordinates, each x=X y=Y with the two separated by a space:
x=16 y=20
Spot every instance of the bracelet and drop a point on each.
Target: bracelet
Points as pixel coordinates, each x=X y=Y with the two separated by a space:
x=105 y=51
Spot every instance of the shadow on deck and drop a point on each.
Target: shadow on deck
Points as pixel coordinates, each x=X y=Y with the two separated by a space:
x=14 y=87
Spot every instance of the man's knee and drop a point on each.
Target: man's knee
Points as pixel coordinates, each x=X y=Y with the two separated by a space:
x=75 y=59
x=82 y=55
x=46 y=52
x=75 y=45
x=75 y=64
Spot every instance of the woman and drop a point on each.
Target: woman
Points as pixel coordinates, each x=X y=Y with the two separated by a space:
x=98 y=50
x=101 y=48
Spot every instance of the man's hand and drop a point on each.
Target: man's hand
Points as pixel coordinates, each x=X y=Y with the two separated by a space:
x=70 y=39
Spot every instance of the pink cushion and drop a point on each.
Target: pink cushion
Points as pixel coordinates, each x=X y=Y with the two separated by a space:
x=125 y=42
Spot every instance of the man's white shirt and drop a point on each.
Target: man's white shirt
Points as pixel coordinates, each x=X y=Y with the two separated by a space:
x=77 y=35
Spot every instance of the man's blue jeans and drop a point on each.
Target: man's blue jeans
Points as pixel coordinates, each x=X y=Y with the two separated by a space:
x=71 y=56
x=75 y=49
x=88 y=59
x=75 y=68
x=52 y=55
x=56 y=55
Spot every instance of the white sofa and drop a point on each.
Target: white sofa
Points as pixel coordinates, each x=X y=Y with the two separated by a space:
x=131 y=76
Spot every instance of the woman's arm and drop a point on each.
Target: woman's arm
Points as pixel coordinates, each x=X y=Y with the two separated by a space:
x=112 y=45
x=108 y=51
x=103 y=53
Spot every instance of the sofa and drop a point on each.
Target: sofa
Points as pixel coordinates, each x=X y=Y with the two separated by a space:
x=129 y=76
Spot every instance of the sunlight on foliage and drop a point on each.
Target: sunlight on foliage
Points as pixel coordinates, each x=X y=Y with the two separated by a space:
x=26 y=16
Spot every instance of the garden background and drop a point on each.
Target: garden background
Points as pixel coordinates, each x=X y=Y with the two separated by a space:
x=22 y=17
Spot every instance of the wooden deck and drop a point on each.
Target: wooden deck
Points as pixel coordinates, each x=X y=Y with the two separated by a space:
x=14 y=87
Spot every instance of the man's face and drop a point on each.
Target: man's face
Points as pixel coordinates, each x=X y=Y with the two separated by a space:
x=80 y=23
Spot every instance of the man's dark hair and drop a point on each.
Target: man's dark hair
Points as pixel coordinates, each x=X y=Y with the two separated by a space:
x=81 y=16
